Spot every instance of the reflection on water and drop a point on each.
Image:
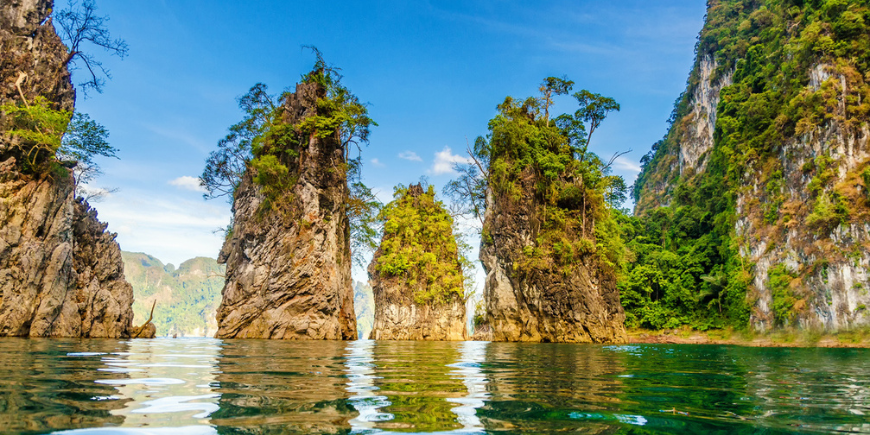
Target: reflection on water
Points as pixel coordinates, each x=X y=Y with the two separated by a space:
x=207 y=386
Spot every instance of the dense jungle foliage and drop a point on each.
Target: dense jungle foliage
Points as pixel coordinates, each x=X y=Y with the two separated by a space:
x=185 y=299
x=576 y=196
x=687 y=270
x=266 y=144
x=420 y=248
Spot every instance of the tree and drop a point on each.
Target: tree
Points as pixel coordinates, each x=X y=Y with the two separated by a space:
x=85 y=139
x=593 y=109
x=468 y=191
x=79 y=26
x=550 y=87
x=363 y=208
x=226 y=165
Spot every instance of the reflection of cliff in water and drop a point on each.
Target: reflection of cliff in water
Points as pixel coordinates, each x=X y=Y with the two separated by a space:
x=553 y=387
x=417 y=383
x=276 y=386
x=168 y=384
x=43 y=383
x=416 y=386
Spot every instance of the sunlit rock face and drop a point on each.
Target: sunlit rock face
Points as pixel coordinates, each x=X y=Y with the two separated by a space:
x=541 y=305
x=288 y=272
x=399 y=315
x=60 y=271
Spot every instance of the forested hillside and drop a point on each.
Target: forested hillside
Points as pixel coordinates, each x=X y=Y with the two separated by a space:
x=753 y=209
x=186 y=298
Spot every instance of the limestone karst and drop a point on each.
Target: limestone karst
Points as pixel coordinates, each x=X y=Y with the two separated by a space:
x=61 y=273
x=416 y=275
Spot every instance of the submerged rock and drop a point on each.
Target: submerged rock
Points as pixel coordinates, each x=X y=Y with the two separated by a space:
x=60 y=271
x=416 y=275
x=288 y=258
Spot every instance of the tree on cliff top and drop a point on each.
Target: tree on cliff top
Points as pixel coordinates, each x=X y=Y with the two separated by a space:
x=79 y=25
x=420 y=247
x=264 y=143
x=578 y=195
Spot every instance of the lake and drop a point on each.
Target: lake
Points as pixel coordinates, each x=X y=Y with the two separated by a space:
x=209 y=386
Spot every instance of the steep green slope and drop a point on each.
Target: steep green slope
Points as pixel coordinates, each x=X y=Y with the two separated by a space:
x=753 y=209
x=186 y=298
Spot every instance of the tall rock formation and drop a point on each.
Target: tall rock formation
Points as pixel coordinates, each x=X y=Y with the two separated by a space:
x=416 y=274
x=550 y=267
x=774 y=127
x=541 y=304
x=288 y=256
x=60 y=272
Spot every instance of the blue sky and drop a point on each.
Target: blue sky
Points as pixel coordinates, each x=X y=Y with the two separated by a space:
x=433 y=73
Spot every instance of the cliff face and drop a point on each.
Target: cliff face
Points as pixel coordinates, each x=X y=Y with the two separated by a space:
x=60 y=272
x=541 y=304
x=791 y=146
x=288 y=269
x=416 y=275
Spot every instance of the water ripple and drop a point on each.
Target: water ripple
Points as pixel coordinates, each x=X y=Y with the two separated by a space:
x=207 y=386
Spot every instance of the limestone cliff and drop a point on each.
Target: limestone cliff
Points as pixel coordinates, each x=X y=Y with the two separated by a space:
x=288 y=256
x=60 y=271
x=548 y=244
x=790 y=150
x=416 y=274
x=541 y=304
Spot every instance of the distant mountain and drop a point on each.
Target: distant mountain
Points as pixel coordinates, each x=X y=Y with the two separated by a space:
x=364 y=307
x=186 y=298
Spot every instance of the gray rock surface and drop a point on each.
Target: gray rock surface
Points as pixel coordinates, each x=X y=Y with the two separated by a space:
x=60 y=271
x=288 y=271
x=542 y=305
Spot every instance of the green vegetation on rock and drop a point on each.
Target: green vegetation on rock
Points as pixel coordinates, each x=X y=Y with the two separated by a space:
x=419 y=246
x=186 y=298
x=579 y=198
x=50 y=139
x=271 y=147
x=688 y=270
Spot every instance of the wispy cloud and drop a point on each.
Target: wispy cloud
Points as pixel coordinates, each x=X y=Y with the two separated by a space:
x=444 y=161
x=168 y=226
x=188 y=183
x=410 y=155
x=377 y=163
x=626 y=164
x=181 y=136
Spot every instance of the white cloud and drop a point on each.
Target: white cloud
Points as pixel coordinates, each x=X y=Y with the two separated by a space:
x=410 y=155
x=188 y=183
x=626 y=164
x=168 y=226
x=377 y=163
x=444 y=161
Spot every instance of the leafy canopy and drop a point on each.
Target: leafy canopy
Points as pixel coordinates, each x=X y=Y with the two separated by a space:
x=419 y=246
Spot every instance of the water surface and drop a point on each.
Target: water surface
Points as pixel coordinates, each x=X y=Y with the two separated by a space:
x=208 y=386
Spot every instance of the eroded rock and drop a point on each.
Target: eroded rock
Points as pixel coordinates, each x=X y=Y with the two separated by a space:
x=407 y=304
x=288 y=268
x=60 y=271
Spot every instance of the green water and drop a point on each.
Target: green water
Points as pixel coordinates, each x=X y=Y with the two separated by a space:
x=206 y=386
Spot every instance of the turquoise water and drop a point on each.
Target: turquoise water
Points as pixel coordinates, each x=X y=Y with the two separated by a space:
x=208 y=386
